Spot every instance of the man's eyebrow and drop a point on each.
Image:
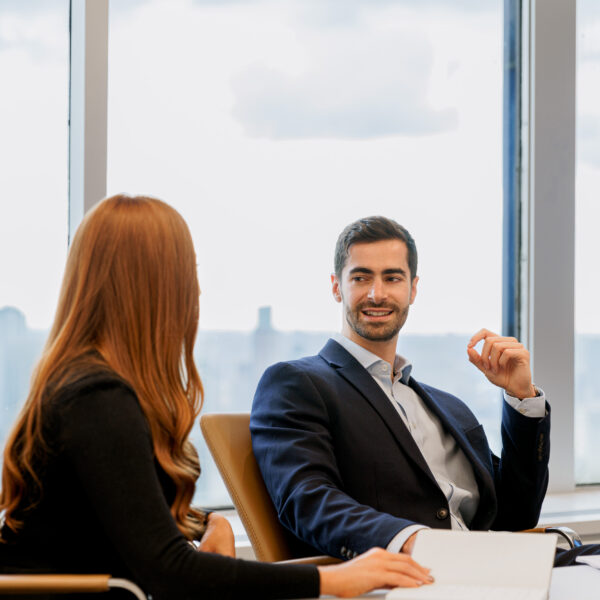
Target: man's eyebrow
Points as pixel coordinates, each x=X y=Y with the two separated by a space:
x=361 y=270
x=393 y=271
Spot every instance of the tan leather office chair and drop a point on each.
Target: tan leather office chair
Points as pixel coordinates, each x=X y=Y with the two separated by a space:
x=65 y=584
x=228 y=439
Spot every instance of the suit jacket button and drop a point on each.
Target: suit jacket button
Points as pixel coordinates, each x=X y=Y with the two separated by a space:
x=442 y=513
x=343 y=551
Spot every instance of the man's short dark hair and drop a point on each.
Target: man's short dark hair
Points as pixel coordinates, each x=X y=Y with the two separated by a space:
x=373 y=229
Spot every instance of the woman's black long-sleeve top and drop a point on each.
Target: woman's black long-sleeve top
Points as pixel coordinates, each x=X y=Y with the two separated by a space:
x=105 y=509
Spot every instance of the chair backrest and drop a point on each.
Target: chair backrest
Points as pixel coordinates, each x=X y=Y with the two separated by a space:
x=228 y=439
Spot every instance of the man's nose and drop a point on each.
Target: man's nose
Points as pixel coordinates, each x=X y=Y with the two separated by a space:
x=377 y=291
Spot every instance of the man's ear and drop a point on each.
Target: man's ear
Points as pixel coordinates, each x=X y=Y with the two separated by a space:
x=335 y=288
x=413 y=290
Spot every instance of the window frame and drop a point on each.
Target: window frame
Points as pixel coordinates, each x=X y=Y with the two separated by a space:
x=548 y=250
x=539 y=235
x=88 y=106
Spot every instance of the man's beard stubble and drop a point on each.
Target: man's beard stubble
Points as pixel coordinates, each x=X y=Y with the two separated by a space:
x=377 y=332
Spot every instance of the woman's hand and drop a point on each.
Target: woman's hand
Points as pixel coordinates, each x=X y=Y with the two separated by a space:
x=374 y=569
x=218 y=537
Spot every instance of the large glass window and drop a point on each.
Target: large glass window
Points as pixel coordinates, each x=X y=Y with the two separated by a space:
x=587 y=317
x=34 y=71
x=271 y=125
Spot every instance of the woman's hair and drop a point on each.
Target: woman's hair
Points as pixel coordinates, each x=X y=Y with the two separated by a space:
x=128 y=304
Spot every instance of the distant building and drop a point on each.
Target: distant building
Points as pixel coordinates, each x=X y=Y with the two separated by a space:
x=12 y=322
x=20 y=348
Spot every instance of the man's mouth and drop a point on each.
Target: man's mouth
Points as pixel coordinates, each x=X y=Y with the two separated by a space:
x=377 y=312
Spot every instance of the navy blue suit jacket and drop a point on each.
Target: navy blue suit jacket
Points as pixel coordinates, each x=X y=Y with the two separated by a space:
x=345 y=474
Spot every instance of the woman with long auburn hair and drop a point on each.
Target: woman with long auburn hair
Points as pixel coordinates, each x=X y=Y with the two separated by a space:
x=98 y=472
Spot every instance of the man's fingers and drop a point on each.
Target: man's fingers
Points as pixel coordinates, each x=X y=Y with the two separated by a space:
x=498 y=350
x=490 y=343
x=480 y=335
x=475 y=359
x=487 y=335
x=512 y=354
x=486 y=350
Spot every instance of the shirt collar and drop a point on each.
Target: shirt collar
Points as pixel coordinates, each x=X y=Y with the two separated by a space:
x=367 y=359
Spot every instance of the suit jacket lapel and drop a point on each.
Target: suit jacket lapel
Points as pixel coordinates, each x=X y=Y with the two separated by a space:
x=482 y=472
x=353 y=372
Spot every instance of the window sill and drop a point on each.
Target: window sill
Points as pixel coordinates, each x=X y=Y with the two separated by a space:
x=579 y=510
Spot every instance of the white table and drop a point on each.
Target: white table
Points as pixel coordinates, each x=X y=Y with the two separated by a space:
x=575 y=583
x=568 y=583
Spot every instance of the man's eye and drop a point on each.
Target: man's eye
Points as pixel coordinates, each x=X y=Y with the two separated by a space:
x=358 y=278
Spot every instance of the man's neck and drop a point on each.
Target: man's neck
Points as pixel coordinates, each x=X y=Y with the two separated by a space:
x=386 y=350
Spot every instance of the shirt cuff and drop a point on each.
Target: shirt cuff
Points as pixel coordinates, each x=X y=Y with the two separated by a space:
x=400 y=538
x=529 y=407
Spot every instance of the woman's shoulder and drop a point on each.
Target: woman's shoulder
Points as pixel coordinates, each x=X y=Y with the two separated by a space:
x=92 y=382
x=98 y=407
x=94 y=409
x=99 y=391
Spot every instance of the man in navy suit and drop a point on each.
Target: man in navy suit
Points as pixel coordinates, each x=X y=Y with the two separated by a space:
x=355 y=453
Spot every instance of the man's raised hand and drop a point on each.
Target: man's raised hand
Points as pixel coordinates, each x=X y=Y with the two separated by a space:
x=504 y=361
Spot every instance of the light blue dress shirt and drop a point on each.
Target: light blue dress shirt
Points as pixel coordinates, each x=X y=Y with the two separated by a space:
x=447 y=462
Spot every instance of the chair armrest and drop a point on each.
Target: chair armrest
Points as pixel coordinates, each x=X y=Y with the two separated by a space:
x=20 y=584
x=572 y=537
x=125 y=584
x=65 y=584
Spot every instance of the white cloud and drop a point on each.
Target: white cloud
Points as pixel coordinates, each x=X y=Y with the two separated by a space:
x=348 y=90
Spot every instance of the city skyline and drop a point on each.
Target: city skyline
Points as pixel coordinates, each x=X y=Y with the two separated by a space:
x=230 y=364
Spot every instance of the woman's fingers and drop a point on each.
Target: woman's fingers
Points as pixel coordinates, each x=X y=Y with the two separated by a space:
x=218 y=537
x=408 y=568
x=376 y=568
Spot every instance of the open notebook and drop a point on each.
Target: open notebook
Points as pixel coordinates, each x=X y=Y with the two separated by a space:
x=482 y=565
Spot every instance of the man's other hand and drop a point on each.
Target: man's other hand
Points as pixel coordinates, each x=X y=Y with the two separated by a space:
x=504 y=361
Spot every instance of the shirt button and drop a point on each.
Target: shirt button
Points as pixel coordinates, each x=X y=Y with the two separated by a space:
x=442 y=513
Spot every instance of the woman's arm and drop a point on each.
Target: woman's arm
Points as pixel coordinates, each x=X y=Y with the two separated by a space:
x=107 y=442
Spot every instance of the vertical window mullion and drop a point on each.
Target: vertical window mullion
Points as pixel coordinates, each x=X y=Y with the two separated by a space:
x=87 y=107
x=551 y=244
x=511 y=167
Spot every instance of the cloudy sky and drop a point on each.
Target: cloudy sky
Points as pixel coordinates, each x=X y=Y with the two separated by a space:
x=270 y=125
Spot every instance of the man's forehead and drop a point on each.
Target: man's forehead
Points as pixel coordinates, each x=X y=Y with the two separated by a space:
x=380 y=255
